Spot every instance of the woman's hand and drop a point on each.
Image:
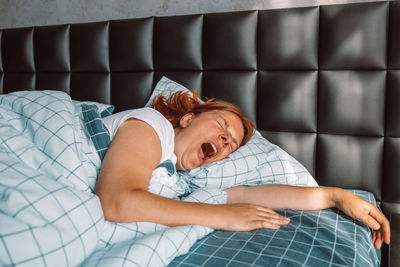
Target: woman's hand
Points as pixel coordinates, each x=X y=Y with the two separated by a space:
x=366 y=212
x=247 y=217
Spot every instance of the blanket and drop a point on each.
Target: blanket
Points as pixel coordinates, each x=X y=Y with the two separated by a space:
x=49 y=214
x=313 y=238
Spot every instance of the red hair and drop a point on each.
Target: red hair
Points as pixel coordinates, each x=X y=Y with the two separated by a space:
x=181 y=103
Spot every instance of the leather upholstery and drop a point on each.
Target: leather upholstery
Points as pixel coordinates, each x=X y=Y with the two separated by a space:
x=321 y=82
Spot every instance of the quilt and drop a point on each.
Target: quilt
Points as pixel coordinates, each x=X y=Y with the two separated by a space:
x=49 y=214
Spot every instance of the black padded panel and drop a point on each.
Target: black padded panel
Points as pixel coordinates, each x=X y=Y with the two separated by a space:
x=177 y=43
x=229 y=41
x=131 y=90
x=51 y=49
x=302 y=146
x=341 y=157
x=91 y=86
x=394 y=259
x=287 y=101
x=393 y=107
x=1 y=61
x=352 y=102
x=1 y=67
x=131 y=45
x=391 y=170
x=18 y=81
x=53 y=81
x=236 y=87
x=394 y=35
x=288 y=38
x=17 y=50
x=89 y=47
x=191 y=80
x=353 y=36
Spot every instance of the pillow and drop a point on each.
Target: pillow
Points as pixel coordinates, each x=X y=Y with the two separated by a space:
x=95 y=128
x=257 y=162
x=104 y=109
x=166 y=87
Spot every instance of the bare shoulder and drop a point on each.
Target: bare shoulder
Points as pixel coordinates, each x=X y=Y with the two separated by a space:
x=135 y=137
x=133 y=154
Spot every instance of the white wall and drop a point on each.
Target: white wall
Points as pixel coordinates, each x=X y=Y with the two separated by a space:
x=19 y=13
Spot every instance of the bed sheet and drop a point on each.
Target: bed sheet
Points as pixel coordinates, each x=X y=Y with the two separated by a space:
x=313 y=238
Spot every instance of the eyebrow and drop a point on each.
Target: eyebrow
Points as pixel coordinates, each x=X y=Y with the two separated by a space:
x=227 y=126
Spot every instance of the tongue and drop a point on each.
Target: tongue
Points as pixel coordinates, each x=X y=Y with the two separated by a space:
x=208 y=150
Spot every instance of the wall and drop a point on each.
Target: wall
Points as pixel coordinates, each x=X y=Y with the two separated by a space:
x=19 y=13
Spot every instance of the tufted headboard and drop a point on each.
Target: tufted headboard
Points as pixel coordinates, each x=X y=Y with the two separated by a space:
x=321 y=82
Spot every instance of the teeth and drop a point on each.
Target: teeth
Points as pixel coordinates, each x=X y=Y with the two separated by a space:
x=213 y=146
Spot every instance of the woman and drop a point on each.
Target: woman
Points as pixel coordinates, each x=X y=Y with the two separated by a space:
x=191 y=134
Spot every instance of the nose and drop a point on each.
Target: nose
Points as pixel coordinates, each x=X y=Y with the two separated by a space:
x=226 y=138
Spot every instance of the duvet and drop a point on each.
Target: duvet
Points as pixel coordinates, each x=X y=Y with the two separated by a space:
x=50 y=216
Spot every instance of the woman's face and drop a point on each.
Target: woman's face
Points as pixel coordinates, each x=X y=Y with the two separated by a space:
x=206 y=137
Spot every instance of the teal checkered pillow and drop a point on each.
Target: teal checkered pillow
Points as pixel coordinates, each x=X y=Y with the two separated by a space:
x=96 y=130
x=104 y=109
x=257 y=162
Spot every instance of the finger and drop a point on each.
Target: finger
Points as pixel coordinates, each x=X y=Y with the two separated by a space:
x=268 y=225
x=374 y=237
x=275 y=219
x=270 y=213
x=378 y=241
x=265 y=209
x=268 y=210
x=371 y=222
x=385 y=225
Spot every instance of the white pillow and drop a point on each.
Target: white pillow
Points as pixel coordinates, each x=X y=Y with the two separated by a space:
x=166 y=87
x=257 y=162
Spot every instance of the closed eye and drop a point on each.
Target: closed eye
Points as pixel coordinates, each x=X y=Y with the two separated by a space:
x=224 y=128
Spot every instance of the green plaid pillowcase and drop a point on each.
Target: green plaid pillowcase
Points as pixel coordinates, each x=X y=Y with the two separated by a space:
x=95 y=128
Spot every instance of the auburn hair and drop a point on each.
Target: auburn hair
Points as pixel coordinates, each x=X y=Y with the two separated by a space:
x=181 y=103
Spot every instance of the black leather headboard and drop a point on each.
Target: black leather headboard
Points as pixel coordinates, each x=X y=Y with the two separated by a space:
x=321 y=82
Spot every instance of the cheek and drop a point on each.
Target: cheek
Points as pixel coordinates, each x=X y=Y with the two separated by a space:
x=224 y=155
x=190 y=158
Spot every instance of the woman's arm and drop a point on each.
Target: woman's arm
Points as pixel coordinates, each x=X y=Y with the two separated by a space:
x=124 y=178
x=314 y=198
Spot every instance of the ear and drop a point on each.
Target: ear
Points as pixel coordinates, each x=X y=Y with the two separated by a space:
x=186 y=119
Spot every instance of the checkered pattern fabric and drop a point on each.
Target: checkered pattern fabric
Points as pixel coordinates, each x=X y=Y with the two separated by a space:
x=258 y=162
x=96 y=130
x=49 y=215
x=313 y=238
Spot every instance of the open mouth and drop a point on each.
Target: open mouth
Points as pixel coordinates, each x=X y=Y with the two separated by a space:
x=208 y=150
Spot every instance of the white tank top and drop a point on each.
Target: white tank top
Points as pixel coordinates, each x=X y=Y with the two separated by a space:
x=155 y=119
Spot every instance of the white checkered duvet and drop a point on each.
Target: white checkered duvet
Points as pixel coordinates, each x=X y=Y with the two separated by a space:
x=49 y=215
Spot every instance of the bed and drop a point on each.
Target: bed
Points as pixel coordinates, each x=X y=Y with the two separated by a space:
x=322 y=84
